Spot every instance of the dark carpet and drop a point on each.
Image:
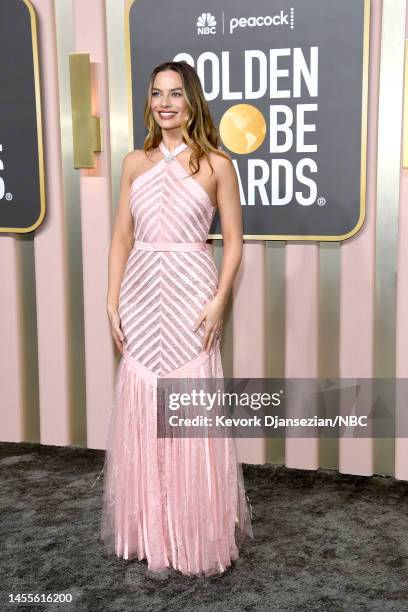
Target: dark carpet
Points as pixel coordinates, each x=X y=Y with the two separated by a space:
x=323 y=541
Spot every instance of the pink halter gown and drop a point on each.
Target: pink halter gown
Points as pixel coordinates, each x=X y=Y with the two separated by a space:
x=177 y=502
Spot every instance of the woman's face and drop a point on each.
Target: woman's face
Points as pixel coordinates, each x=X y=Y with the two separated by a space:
x=167 y=96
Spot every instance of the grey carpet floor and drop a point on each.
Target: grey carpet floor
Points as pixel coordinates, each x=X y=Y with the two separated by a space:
x=323 y=542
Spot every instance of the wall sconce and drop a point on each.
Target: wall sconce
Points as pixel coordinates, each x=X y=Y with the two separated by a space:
x=86 y=129
x=405 y=115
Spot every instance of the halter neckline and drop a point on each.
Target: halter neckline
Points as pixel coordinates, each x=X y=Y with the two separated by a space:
x=169 y=155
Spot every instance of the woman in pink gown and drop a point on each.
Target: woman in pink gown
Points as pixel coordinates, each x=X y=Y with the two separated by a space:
x=177 y=502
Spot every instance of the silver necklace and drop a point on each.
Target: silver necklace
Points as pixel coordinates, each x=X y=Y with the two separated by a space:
x=168 y=157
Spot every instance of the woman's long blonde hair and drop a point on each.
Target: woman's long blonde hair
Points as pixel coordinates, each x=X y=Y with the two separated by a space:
x=199 y=131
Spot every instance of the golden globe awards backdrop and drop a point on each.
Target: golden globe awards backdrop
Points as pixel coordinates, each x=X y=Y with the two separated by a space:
x=286 y=82
x=22 y=182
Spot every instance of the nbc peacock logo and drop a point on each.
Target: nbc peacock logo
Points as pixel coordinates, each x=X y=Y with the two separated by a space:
x=206 y=24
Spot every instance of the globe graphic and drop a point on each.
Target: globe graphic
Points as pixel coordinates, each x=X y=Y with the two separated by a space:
x=242 y=128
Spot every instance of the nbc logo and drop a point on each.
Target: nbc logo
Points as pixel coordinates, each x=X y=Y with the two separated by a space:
x=206 y=24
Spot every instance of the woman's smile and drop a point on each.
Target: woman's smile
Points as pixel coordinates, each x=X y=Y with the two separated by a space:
x=167 y=114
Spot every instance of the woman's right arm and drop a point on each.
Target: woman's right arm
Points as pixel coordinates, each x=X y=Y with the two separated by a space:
x=122 y=242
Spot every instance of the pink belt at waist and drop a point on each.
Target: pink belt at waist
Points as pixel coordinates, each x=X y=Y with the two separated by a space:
x=170 y=246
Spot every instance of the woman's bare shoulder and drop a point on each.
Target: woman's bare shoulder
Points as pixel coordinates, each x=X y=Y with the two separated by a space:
x=137 y=161
x=131 y=157
x=222 y=162
x=136 y=154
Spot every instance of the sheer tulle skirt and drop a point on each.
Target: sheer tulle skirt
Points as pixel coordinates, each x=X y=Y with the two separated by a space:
x=177 y=502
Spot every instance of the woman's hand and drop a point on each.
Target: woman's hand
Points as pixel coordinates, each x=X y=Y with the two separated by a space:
x=115 y=327
x=212 y=313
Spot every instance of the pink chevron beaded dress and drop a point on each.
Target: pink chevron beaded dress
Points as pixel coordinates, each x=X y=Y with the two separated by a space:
x=177 y=502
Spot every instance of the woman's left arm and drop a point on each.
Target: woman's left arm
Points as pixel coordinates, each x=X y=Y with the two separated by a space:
x=230 y=211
